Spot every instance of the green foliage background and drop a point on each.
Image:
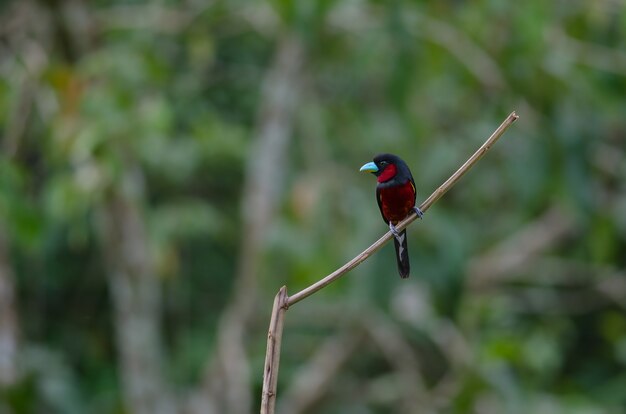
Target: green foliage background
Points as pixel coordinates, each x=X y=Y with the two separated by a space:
x=180 y=95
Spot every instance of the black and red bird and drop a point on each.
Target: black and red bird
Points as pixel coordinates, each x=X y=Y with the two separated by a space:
x=395 y=194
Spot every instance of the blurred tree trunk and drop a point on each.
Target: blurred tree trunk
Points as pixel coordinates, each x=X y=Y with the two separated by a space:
x=228 y=379
x=8 y=317
x=136 y=296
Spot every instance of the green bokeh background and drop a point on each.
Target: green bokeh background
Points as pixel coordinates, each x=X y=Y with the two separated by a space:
x=516 y=302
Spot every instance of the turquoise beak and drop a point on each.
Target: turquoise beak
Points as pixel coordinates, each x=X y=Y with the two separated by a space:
x=369 y=167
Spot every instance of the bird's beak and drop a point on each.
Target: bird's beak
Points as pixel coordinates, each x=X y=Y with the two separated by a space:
x=369 y=167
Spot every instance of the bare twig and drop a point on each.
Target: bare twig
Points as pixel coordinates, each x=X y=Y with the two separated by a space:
x=272 y=355
x=282 y=301
x=436 y=195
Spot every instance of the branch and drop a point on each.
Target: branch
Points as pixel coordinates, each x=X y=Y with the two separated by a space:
x=272 y=355
x=282 y=301
x=443 y=188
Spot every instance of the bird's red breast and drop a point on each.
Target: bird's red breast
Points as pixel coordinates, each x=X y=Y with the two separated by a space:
x=397 y=201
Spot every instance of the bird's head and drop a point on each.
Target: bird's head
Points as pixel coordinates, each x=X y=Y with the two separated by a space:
x=384 y=167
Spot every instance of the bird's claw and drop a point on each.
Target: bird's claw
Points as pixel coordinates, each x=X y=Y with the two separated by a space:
x=394 y=231
x=419 y=212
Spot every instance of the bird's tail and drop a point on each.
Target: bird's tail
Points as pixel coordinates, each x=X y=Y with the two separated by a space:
x=402 y=254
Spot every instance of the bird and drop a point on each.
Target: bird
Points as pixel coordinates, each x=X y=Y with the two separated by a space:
x=395 y=195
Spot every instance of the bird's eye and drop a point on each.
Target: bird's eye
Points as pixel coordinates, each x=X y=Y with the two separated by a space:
x=383 y=163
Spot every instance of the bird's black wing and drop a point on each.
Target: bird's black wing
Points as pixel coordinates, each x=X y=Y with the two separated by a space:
x=413 y=184
x=380 y=205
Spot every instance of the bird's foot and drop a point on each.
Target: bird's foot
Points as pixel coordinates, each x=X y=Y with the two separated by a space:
x=419 y=212
x=394 y=231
